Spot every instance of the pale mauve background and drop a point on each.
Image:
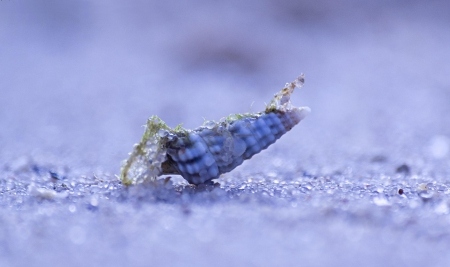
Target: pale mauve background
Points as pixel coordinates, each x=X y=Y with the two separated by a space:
x=78 y=79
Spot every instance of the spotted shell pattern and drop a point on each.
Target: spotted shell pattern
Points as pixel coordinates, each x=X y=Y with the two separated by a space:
x=205 y=153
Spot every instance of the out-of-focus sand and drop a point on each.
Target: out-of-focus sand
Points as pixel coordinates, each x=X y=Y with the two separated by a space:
x=79 y=79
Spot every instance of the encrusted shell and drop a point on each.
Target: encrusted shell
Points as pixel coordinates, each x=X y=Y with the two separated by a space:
x=205 y=153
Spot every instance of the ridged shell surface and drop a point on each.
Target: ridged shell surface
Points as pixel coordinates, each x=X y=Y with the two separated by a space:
x=205 y=153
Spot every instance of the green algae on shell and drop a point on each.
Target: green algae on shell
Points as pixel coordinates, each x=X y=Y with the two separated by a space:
x=214 y=148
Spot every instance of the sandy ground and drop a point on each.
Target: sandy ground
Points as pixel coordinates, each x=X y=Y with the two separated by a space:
x=364 y=180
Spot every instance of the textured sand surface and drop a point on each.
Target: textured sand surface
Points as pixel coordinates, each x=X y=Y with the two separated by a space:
x=364 y=180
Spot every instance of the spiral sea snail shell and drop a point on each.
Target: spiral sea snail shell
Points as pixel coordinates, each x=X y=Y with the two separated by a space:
x=208 y=151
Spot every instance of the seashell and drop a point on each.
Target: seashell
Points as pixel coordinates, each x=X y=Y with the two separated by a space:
x=208 y=151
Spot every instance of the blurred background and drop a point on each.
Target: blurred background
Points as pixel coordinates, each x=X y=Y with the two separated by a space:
x=78 y=79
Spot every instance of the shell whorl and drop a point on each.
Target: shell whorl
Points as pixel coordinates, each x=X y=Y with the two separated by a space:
x=205 y=153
